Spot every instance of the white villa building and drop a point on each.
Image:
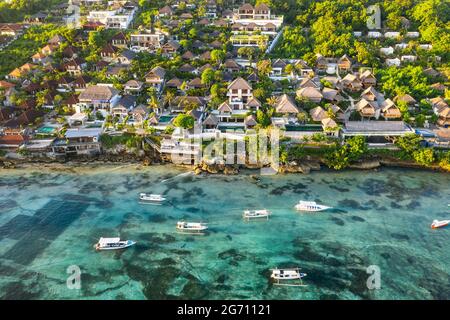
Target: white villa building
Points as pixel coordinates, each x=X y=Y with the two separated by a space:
x=254 y=26
x=100 y=97
x=259 y=15
x=146 y=40
x=234 y=111
x=113 y=19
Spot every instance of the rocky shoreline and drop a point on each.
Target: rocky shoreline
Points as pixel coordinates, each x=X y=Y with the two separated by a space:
x=109 y=160
x=306 y=166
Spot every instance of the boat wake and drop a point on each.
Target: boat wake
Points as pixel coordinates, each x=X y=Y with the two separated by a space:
x=178 y=176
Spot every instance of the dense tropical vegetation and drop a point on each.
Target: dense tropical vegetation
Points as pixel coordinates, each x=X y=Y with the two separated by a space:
x=17 y=10
x=327 y=26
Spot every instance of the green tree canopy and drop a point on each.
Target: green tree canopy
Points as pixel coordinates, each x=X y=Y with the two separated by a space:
x=184 y=121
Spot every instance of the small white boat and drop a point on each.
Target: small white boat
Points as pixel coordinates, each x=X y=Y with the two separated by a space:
x=152 y=198
x=113 y=244
x=439 y=224
x=191 y=227
x=310 y=206
x=284 y=277
x=255 y=214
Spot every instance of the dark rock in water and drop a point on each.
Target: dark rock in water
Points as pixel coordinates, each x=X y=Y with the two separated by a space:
x=223 y=287
x=330 y=296
x=7 y=271
x=232 y=253
x=385 y=255
x=399 y=236
x=334 y=262
x=338 y=210
x=337 y=221
x=438 y=285
x=340 y=189
x=278 y=191
x=299 y=242
x=413 y=205
x=355 y=259
x=233 y=263
x=192 y=209
x=356 y=218
x=307 y=254
x=328 y=280
x=8 y=204
x=298 y=186
x=349 y=203
x=180 y=252
x=194 y=289
x=395 y=205
x=229 y=237
x=17 y=291
x=222 y=278
x=265 y=273
x=373 y=187
x=167 y=262
x=411 y=260
x=89 y=280
x=372 y=204
x=157 y=282
x=359 y=282
x=118 y=254
x=258 y=261
x=157 y=218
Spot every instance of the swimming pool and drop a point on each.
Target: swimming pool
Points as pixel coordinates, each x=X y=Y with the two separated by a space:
x=307 y=127
x=165 y=119
x=47 y=130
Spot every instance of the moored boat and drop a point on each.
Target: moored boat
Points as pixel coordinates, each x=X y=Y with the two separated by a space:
x=310 y=206
x=191 y=227
x=439 y=224
x=151 y=198
x=256 y=214
x=285 y=277
x=113 y=244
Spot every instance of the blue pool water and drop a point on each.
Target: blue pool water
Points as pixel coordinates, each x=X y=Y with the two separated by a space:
x=46 y=130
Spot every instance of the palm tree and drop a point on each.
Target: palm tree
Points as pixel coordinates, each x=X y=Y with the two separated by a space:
x=168 y=97
x=272 y=101
x=153 y=103
x=302 y=117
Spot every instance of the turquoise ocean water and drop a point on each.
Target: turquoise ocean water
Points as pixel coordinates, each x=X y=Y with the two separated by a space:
x=50 y=221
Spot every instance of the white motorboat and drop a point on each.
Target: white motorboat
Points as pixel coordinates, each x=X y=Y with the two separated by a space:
x=310 y=206
x=151 y=198
x=284 y=277
x=191 y=227
x=256 y=214
x=113 y=244
x=439 y=224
